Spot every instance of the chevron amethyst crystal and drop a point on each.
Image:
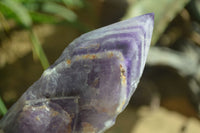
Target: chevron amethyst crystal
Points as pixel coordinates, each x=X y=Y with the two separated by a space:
x=89 y=85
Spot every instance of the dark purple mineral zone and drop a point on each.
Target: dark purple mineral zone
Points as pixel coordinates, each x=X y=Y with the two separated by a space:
x=89 y=85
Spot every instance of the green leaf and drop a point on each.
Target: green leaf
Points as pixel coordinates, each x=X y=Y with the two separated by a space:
x=43 y=18
x=68 y=2
x=3 y=108
x=37 y=49
x=59 y=10
x=7 y=12
x=19 y=10
x=78 y=3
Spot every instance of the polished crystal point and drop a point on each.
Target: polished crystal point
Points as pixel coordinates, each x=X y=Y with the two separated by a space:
x=89 y=85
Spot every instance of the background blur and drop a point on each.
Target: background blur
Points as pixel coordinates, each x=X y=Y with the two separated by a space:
x=33 y=33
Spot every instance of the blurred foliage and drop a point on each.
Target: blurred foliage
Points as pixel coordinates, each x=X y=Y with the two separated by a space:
x=37 y=49
x=27 y=12
x=164 y=10
x=3 y=109
x=194 y=8
x=16 y=10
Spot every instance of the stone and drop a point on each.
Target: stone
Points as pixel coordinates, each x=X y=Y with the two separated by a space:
x=89 y=85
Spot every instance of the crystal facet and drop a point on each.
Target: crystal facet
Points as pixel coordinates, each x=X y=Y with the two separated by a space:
x=89 y=85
